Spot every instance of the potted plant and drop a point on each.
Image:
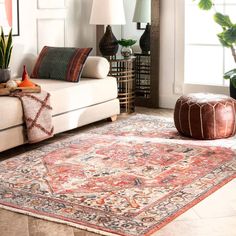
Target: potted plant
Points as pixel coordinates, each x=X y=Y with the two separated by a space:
x=5 y=55
x=126 y=50
x=227 y=38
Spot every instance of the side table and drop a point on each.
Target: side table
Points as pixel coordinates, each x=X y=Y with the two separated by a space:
x=142 y=79
x=124 y=70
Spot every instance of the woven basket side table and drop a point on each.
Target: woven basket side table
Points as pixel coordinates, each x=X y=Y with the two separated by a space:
x=124 y=70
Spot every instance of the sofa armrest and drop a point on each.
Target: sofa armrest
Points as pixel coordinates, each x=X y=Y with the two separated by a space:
x=96 y=67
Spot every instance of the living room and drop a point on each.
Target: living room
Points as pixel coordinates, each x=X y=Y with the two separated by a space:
x=106 y=139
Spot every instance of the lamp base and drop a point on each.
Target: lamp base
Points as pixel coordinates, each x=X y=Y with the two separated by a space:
x=144 y=41
x=108 y=45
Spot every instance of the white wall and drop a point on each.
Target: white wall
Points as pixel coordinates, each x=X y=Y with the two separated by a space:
x=53 y=23
x=168 y=92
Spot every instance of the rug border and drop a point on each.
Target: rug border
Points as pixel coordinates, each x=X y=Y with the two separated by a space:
x=106 y=233
x=191 y=204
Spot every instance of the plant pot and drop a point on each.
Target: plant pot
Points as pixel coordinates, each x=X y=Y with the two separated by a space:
x=126 y=52
x=232 y=91
x=5 y=75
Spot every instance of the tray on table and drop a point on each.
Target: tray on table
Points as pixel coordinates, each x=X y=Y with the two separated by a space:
x=7 y=91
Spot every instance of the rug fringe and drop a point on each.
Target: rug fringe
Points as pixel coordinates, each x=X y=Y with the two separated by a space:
x=55 y=220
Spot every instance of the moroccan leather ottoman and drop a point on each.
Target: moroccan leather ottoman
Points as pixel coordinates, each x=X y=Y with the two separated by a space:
x=205 y=116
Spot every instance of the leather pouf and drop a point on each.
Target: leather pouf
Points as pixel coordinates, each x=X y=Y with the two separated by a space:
x=205 y=116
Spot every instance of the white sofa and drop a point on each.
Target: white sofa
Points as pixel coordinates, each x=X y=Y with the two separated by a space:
x=74 y=104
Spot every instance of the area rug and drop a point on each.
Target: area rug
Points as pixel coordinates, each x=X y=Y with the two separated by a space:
x=115 y=184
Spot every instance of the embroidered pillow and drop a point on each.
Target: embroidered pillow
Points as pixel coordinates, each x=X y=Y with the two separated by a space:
x=60 y=63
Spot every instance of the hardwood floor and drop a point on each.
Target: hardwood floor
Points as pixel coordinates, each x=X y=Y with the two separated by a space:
x=215 y=216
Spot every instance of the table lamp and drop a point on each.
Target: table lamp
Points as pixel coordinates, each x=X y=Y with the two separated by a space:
x=108 y=12
x=142 y=14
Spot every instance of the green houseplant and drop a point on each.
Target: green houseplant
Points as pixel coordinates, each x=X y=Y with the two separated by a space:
x=126 y=50
x=227 y=38
x=5 y=55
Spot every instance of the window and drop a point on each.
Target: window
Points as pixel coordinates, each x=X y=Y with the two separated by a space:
x=205 y=59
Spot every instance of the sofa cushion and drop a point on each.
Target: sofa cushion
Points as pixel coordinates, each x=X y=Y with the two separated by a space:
x=65 y=97
x=60 y=63
x=96 y=67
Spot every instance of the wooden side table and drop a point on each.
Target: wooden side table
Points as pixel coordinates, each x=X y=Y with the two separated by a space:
x=124 y=70
x=142 y=79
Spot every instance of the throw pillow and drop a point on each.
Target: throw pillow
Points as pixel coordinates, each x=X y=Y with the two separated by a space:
x=60 y=63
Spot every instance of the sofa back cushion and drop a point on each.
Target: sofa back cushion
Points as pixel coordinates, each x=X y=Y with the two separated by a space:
x=60 y=63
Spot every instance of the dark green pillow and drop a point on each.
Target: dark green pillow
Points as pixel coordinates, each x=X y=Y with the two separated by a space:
x=60 y=63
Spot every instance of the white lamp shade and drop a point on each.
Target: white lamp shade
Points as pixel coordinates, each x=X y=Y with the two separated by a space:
x=107 y=12
x=142 y=11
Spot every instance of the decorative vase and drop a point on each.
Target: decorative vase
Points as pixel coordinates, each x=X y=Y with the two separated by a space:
x=108 y=45
x=126 y=52
x=144 y=41
x=5 y=75
x=232 y=90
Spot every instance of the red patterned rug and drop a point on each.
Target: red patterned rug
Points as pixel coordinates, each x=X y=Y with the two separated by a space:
x=121 y=179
